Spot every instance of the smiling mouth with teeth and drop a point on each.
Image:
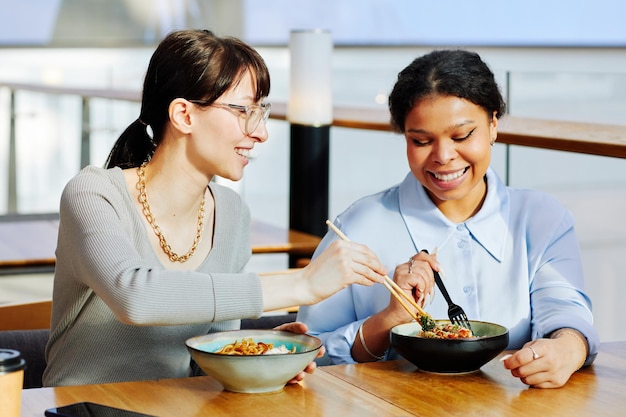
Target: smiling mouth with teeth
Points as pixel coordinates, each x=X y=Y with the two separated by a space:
x=243 y=152
x=449 y=177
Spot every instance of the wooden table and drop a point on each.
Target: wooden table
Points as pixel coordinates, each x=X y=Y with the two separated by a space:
x=393 y=388
x=321 y=394
x=594 y=391
x=266 y=238
x=30 y=240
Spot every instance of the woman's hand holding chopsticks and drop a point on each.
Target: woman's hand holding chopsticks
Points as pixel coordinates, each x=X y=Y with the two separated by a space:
x=340 y=265
x=416 y=276
x=413 y=283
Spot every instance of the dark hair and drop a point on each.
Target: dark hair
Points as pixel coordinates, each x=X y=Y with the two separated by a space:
x=449 y=73
x=190 y=64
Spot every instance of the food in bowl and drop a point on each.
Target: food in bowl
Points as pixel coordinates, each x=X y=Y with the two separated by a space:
x=258 y=372
x=446 y=331
x=250 y=347
x=450 y=356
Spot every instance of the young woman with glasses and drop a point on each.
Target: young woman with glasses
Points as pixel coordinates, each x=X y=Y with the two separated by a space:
x=150 y=250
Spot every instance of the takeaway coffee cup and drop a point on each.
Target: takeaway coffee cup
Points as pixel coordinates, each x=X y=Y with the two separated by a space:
x=11 y=382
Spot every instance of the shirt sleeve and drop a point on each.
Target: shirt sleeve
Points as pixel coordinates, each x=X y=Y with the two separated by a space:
x=556 y=289
x=334 y=323
x=333 y=320
x=336 y=320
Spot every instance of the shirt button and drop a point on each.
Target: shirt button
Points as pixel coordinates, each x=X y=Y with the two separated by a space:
x=460 y=227
x=460 y=245
x=467 y=290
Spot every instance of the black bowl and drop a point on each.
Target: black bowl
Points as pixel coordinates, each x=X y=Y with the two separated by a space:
x=450 y=355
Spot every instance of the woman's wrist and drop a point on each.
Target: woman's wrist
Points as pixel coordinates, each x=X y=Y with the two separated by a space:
x=281 y=290
x=394 y=316
x=364 y=345
x=580 y=341
x=371 y=341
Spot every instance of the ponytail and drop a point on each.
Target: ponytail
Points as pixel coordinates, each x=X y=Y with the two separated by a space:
x=132 y=148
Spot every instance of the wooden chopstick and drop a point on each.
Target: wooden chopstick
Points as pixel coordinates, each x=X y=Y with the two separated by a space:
x=393 y=288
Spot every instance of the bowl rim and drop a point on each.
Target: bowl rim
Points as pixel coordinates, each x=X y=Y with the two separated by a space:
x=503 y=330
x=281 y=333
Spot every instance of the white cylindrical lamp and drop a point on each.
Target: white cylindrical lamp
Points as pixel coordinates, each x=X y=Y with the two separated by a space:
x=310 y=114
x=310 y=79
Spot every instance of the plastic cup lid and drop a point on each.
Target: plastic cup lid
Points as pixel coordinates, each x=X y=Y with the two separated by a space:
x=10 y=361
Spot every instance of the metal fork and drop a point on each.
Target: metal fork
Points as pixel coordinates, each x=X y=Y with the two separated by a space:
x=455 y=312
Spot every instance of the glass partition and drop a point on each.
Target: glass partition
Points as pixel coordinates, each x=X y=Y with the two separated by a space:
x=48 y=139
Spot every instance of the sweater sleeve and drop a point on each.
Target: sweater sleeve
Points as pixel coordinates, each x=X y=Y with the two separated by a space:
x=103 y=245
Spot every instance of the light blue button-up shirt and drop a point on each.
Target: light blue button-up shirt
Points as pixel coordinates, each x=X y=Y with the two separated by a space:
x=516 y=263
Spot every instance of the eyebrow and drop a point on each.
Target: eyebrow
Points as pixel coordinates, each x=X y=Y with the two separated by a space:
x=247 y=98
x=455 y=126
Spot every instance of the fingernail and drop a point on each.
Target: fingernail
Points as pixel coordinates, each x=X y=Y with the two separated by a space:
x=442 y=273
x=505 y=357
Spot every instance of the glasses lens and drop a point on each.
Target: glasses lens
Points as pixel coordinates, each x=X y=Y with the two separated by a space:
x=255 y=115
x=265 y=108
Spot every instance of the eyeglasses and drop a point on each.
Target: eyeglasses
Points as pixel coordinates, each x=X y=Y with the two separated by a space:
x=252 y=114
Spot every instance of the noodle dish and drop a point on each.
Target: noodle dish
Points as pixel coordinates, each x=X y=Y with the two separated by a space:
x=252 y=360
x=449 y=348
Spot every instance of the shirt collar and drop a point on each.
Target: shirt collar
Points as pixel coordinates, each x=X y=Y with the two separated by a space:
x=429 y=228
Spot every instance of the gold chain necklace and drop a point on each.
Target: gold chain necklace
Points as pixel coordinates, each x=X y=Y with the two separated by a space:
x=143 y=199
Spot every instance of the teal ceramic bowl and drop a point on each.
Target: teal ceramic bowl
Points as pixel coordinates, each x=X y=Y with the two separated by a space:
x=450 y=355
x=253 y=373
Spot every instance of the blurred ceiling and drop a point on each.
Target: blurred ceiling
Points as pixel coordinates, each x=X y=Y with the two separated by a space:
x=111 y=22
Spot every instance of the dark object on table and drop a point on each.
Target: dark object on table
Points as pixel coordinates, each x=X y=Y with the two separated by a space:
x=450 y=355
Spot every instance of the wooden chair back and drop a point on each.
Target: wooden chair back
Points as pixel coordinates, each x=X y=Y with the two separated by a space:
x=26 y=316
x=25 y=327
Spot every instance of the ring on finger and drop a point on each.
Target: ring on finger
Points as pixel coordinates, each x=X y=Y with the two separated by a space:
x=411 y=265
x=535 y=355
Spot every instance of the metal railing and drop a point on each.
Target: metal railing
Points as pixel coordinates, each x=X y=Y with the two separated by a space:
x=585 y=138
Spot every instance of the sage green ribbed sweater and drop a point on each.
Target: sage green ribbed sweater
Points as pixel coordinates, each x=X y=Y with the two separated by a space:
x=117 y=314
